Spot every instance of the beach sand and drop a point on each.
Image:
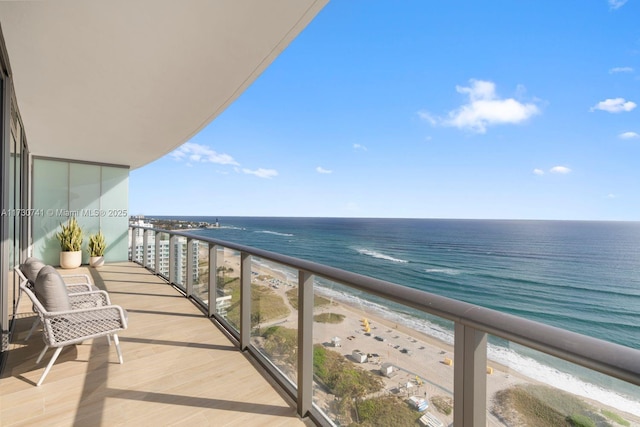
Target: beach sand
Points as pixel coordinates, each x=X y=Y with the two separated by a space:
x=420 y=371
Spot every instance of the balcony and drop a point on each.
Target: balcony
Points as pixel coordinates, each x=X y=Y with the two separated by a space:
x=298 y=334
x=179 y=369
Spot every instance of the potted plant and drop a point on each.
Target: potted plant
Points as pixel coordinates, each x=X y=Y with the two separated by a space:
x=97 y=246
x=70 y=243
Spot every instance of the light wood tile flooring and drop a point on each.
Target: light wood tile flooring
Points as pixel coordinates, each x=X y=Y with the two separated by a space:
x=179 y=369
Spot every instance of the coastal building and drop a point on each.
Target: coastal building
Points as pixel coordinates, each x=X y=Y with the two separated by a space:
x=163 y=251
x=92 y=90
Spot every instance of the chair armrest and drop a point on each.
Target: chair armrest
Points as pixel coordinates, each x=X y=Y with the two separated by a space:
x=79 y=287
x=73 y=279
x=72 y=326
x=89 y=299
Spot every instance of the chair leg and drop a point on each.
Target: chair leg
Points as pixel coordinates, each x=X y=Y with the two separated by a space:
x=44 y=350
x=33 y=328
x=51 y=362
x=109 y=340
x=18 y=300
x=117 y=342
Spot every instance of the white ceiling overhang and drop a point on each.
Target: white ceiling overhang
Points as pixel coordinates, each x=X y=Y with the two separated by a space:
x=127 y=81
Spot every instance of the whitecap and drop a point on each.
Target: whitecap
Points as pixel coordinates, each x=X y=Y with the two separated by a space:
x=275 y=233
x=379 y=255
x=447 y=271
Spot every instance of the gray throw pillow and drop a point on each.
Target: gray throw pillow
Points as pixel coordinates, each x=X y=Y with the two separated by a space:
x=31 y=267
x=51 y=290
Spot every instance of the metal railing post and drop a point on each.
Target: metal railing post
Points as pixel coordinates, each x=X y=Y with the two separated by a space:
x=132 y=244
x=245 y=300
x=189 y=267
x=469 y=377
x=213 y=279
x=145 y=242
x=157 y=254
x=305 y=342
x=172 y=258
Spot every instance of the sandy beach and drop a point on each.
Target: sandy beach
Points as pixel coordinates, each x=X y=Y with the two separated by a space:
x=421 y=362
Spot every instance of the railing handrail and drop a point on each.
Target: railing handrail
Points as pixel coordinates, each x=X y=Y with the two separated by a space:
x=603 y=356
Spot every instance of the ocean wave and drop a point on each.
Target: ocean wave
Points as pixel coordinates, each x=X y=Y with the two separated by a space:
x=379 y=255
x=275 y=233
x=447 y=271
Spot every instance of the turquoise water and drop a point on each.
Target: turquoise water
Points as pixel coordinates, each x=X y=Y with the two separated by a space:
x=580 y=276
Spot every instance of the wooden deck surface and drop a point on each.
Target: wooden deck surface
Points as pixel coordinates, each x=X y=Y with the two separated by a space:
x=179 y=369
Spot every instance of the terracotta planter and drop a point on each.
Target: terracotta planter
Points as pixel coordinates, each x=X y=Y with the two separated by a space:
x=96 y=261
x=70 y=259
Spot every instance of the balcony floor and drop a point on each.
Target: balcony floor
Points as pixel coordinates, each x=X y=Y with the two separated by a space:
x=179 y=368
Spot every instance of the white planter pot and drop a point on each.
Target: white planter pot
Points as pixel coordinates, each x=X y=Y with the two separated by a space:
x=96 y=261
x=70 y=259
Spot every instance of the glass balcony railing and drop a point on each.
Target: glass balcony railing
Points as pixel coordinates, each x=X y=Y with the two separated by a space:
x=350 y=349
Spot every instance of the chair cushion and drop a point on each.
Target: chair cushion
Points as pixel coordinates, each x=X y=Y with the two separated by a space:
x=31 y=267
x=51 y=290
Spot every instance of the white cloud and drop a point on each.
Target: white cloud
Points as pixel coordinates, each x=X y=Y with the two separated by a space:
x=621 y=70
x=616 y=4
x=484 y=109
x=629 y=135
x=198 y=153
x=614 y=105
x=359 y=147
x=537 y=171
x=427 y=117
x=320 y=169
x=560 y=169
x=612 y=196
x=262 y=173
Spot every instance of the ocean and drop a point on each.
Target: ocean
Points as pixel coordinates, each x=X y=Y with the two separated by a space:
x=578 y=275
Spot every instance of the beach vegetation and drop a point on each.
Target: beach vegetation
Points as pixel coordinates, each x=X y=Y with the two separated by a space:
x=544 y=406
x=349 y=383
x=443 y=404
x=616 y=418
x=266 y=305
x=386 y=411
x=318 y=301
x=281 y=343
x=333 y=318
x=578 y=420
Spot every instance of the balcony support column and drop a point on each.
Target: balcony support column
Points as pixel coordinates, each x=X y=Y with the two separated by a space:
x=469 y=377
x=245 y=300
x=213 y=279
x=305 y=342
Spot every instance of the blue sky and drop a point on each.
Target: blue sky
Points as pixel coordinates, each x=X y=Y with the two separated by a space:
x=424 y=109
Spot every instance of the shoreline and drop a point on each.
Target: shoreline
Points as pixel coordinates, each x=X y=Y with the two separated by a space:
x=423 y=365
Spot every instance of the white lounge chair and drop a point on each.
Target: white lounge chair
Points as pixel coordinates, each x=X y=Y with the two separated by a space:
x=72 y=318
x=28 y=272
